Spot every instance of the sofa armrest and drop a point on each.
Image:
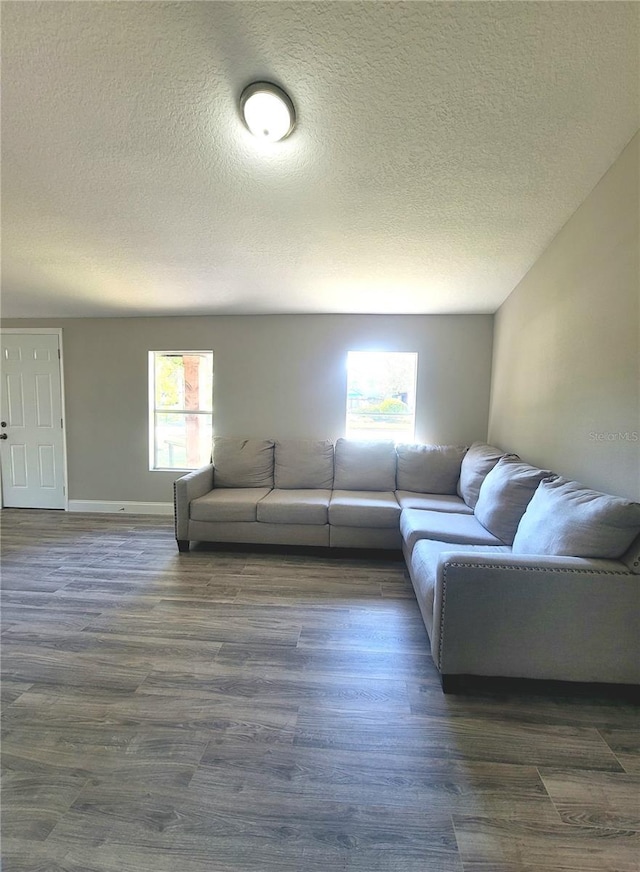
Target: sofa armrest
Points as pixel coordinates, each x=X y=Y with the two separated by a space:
x=186 y=488
x=528 y=616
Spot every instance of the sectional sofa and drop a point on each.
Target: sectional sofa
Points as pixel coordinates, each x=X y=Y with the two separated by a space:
x=517 y=572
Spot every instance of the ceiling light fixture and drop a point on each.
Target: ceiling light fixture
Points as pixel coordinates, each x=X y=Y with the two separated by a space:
x=267 y=111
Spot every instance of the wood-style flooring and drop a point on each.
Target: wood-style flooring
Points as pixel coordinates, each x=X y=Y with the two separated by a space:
x=229 y=711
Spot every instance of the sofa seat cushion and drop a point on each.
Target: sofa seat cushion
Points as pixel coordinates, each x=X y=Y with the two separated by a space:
x=505 y=494
x=228 y=504
x=303 y=463
x=416 y=524
x=364 y=466
x=432 y=502
x=424 y=568
x=429 y=469
x=566 y=519
x=363 y=509
x=242 y=462
x=302 y=506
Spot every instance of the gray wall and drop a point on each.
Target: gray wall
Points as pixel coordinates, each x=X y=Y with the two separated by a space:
x=275 y=376
x=566 y=362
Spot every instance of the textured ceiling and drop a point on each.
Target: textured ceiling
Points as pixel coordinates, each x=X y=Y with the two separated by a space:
x=439 y=148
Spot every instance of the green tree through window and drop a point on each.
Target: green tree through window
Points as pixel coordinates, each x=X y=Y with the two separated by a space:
x=381 y=395
x=181 y=407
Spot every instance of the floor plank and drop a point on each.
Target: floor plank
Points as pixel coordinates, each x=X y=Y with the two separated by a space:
x=513 y=846
x=597 y=799
x=625 y=744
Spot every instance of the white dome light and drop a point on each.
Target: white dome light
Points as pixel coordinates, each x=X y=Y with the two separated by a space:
x=267 y=111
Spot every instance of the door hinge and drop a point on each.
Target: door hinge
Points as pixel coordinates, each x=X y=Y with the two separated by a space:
x=61 y=424
x=58 y=354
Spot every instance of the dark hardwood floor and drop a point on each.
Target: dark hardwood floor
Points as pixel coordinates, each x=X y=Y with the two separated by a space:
x=243 y=712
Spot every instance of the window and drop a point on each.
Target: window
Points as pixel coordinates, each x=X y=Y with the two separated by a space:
x=180 y=409
x=381 y=395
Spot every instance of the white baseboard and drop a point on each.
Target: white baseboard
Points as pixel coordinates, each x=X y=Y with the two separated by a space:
x=125 y=507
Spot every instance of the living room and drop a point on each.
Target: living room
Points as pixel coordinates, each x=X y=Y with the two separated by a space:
x=512 y=271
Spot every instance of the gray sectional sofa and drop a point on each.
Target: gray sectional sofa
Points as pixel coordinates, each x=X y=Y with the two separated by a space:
x=517 y=572
x=310 y=492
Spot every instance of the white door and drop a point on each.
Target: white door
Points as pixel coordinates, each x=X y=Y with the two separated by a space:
x=31 y=436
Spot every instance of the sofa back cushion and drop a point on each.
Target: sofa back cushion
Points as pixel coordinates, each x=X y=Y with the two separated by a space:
x=304 y=463
x=568 y=520
x=369 y=466
x=242 y=462
x=429 y=469
x=476 y=464
x=505 y=494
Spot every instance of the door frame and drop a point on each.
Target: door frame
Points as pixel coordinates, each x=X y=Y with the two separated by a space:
x=54 y=331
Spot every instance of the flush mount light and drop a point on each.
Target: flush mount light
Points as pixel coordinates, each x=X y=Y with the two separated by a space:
x=267 y=111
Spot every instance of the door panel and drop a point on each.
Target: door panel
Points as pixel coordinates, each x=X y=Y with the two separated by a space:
x=47 y=466
x=15 y=399
x=32 y=455
x=18 y=468
x=44 y=400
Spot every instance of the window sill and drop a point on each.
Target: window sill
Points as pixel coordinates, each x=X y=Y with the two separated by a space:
x=173 y=469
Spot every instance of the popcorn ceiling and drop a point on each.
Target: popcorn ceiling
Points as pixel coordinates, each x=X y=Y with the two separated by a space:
x=439 y=149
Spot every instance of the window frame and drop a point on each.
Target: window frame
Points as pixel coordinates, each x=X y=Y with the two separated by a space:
x=153 y=411
x=380 y=434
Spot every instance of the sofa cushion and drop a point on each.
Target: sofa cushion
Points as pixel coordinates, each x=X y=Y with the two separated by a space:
x=303 y=463
x=424 y=569
x=505 y=494
x=566 y=519
x=363 y=509
x=365 y=466
x=289 y=506
x=228 y=504
x=433 y=502
x=443 y=527
x=429 y=469
x=477 y=462
x=242 y=462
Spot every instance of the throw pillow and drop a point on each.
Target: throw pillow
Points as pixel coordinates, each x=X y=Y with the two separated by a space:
x=369 y=466
x=242 y=462
x=566 y=519
x=304 y=463
x=429 y=469
x=505 y=494
x=476 y=464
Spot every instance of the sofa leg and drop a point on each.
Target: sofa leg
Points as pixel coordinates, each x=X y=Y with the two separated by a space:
x=451 y=683
x=183 y=544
